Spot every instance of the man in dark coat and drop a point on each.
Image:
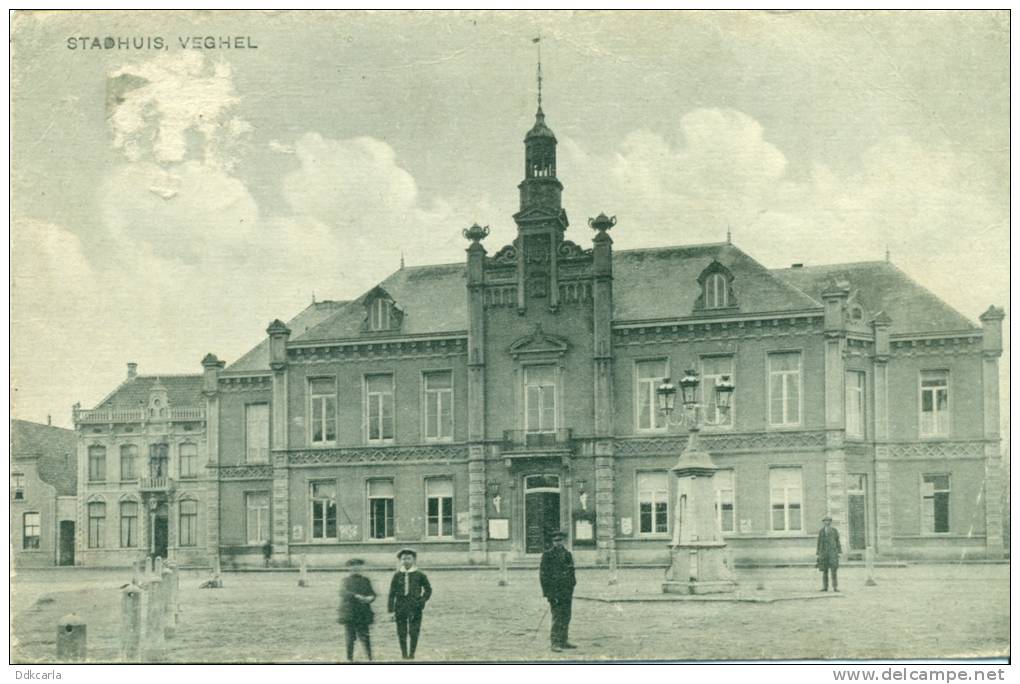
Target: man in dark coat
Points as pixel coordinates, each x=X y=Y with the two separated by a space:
x=409 y=591
x=828 y=553
x=557 y=577
x=356 y=596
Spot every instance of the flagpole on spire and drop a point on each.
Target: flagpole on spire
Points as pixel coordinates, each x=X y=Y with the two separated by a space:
x=538 y=41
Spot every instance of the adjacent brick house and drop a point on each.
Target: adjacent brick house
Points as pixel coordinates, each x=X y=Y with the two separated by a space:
x=43 y=485
x=471 y=408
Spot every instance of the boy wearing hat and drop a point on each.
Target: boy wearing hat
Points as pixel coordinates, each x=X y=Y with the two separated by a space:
x=556 y=575
x=409 y=591
x=356 y=596
x=828 y=553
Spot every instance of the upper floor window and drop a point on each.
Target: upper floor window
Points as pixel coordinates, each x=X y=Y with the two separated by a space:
x=716 y=292
x=128 y=524
x=716 y=283
x=323 y=509
x=439 y=507
x=438 y=389
x=653 y=502
x=540 y=398
x=934 y=403
x=713 y=369
x=256 y=433
x=648 y=376
x=31 y=531
x=256 y=506
x=784 y=389
x=855 y=404
x=379 y=407
x=17 y=486
x=189 y=459
x=380 y=317
x=322 y=392
x=97 y=524
x=159 y=460
x=128 y=462
x=380 y=509
x=935 y=504
x=188 y=513
x=725 y=500
x=97 y=463
x=786 y=494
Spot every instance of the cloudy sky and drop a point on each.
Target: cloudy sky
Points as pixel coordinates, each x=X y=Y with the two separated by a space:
x=171 y=202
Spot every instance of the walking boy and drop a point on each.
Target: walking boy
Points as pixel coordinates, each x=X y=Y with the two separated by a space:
x=356 y=596
x=409 y=591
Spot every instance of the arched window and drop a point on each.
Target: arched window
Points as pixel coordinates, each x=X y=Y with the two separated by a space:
x=97 y=524
x=189 y=522
x=715 y=292
x=380 y=319
x=716 y=283
x=97 y=463
x=128 y=524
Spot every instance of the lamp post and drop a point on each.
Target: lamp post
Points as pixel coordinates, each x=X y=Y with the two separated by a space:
x=698 y=551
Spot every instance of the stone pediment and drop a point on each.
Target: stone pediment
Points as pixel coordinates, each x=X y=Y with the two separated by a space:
x=539 y=343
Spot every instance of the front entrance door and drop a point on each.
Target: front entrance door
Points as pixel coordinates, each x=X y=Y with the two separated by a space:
x=857 y=506
x=541 y=511
x=160 y=531
x=66 y=556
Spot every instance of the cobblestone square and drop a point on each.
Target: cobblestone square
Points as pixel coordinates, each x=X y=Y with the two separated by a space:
x=925 y=611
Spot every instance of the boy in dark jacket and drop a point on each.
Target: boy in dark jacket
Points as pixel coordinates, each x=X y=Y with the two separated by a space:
x=409 y=591
x=356 y=596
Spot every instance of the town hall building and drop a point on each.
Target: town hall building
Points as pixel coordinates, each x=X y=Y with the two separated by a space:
x=472 y=408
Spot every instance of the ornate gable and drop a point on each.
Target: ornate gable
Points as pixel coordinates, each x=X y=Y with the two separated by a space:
x=539 y=343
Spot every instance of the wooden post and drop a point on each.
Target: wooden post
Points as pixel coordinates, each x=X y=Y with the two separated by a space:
x=153 y=636
x=303 y=572
x=130 y=621
x=614 y=573
x=504 y=579
x=71 y=639
x=869 y=563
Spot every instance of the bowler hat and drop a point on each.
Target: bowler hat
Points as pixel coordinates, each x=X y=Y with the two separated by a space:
x=354 y=562
x=559 y=534
x=410 y=551
x=828 y=517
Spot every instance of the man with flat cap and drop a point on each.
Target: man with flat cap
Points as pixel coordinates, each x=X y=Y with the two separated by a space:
x=409 y=591
x=356 y=596
x=828 y=553
x=557 y=577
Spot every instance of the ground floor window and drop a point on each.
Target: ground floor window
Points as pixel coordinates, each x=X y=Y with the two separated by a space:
x=725 y=508
x=323 y=496
x=31 y=528
x=785 y=487
x=97 y=524
x=653 y=502
x=257 y=517
x=380 y=509
x=128 y=524
x=935 y=503
x=189 y=522
x=439 y=507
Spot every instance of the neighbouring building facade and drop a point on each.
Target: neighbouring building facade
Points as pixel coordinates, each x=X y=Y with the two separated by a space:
x=43 y=488
x=471 y=408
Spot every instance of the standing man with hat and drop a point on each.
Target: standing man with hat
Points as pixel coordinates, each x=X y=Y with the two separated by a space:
x=557 y=577
x=409 y=591
x=356 y=596
x=828 y=553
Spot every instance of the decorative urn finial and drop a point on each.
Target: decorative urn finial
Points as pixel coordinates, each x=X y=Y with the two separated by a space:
x=476 y=233
x=602 y=222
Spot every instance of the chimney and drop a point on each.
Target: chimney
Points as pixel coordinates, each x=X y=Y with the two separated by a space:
x=49 y=419
x=132 y=371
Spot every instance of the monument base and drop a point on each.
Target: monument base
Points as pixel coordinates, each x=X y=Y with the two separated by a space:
x=699 y=587
x=698 y=568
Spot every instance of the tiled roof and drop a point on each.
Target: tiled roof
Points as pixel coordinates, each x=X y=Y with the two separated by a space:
x=54 y=449
x=258 y=358
x=433 y=299
x=662 y=283
x=182 y=390
x=881 y=286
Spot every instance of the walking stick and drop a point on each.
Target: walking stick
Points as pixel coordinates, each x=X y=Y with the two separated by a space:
x=539 y=627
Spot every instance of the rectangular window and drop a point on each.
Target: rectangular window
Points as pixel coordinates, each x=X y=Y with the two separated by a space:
x=934 y=403
x=256 y=433
x=189 y=460
x=540 y=398
x=97 y=524
x=648 y=376
x=17 y=486
x=323 y=495
x=438 y=388
x=97 y=463
x=31 y=531
x=653 y=502
x=189 y=522
x=439 y=507
x=379 y=395
x=935 y=504
x=256 y=505
x=785 y=493
x=855 y=404
x=725 y=500
x=380 y=509
x=784 y=389
x=128 y=524
x=323 y=410
x=159 y=460
x=128 y=462
x=713 y=369
x=380 y=319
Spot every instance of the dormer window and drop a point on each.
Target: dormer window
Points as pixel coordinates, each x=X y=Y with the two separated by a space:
x=380 y=316
x=381 y=312
x=716 y=283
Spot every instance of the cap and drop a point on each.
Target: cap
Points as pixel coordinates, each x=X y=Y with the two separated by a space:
x=559 y=534
x=410 y=551
x=354 y=562
x=828 y=517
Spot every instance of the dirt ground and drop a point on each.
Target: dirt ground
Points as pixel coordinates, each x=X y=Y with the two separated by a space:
x=925 y=611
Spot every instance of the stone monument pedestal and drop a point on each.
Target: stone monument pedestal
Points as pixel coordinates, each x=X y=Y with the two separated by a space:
x=698 y=568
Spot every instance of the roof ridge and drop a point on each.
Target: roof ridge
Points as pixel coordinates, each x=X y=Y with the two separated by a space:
x=689 y=246
x=163 y=376
x=842 y=263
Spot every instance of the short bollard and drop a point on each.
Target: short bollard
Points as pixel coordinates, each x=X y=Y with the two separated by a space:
x=169 y=602
x=157 y=566
x=71 y=639
x=869 y=564
x=303 y=572
x=503 y=578
x=153 y=636
x=614 y=572
x=130 y=622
